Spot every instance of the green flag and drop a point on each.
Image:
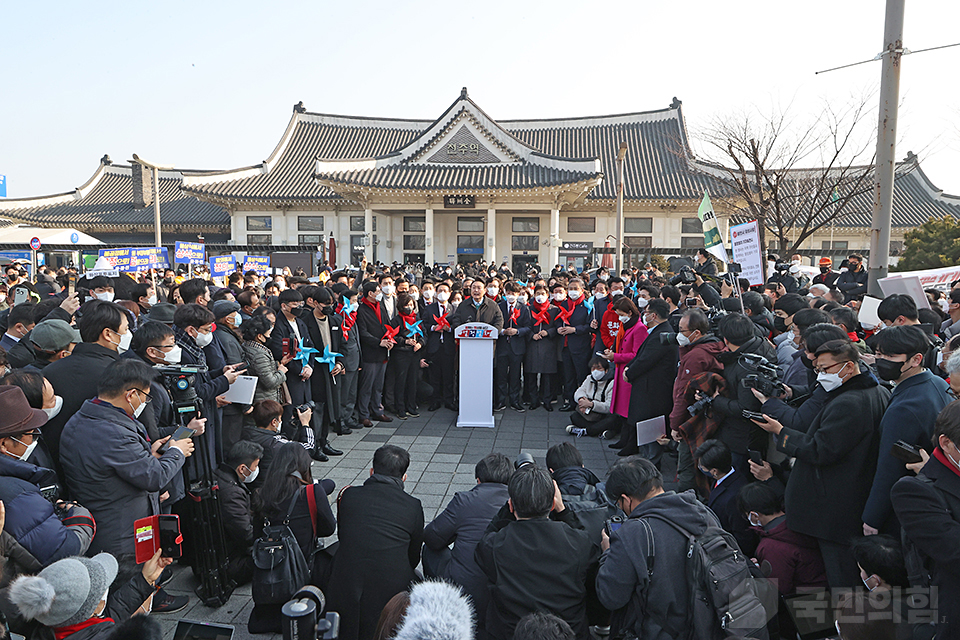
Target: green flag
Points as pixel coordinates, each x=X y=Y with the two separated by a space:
x=711 y=234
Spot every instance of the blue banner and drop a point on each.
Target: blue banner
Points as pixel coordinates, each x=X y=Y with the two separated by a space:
x=190 y=253
x=3 y=186
x=260 y=264
x=222 y=265
x=137 y=258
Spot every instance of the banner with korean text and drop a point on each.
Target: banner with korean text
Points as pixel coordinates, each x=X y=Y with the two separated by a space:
x=745 y=242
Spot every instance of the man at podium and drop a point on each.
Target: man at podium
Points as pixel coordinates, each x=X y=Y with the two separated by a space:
x=478 y=308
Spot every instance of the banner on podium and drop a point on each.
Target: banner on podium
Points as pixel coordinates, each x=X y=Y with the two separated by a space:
x=476 y=331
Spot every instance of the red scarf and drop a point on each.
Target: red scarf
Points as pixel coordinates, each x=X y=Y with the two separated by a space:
x=853 y=337
x=942 y=457
x=410 y=319
x=375 y=306
x=63 y=632
x=542 y=314
x=348 y=322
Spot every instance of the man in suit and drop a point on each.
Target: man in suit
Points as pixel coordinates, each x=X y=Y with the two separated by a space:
x=351 y=360
x=441 y=352
x=19 y=324
x=651 y=374
x=512 y=345
x=573 y=326
x=326 y=331
x=375 y=350
x=381 y=531
x=478 y=308
x=291 y=328
x=389 y=290
x=714 y=460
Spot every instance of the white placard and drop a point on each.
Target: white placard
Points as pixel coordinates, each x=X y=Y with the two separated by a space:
x=745 y=241
x=868 y=312
x=649 y=430
x=241 y=391
x=909 y=285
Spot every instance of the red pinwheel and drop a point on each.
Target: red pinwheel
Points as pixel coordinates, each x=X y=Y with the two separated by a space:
x=565 y=314
x=389 y=333
x=542 y=317
x=441 y=322
x=514 y=314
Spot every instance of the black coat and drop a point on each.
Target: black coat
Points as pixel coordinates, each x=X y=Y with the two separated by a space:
x=321 y=382
x=537 y=565
x=515 y=344
x=935 y=532
x=542 y=355
x=651 y=374
x=370 y=330
x=723 y=502
x=380 y=532
x=271 y=441
x=738 y=433
x=235 y=511
x=853 y=283
x=436 y=340
x=75 y=379
x=835 y=462
x=578 y=343
x=299 y=388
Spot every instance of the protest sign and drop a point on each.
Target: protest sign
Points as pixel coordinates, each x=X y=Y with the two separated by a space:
x=745 y=241
x=222 y=265
x=190 y=253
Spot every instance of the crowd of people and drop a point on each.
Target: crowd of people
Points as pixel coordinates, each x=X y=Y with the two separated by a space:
x=825 y=452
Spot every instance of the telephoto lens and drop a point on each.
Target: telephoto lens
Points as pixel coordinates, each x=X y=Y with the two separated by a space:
x=522 y=460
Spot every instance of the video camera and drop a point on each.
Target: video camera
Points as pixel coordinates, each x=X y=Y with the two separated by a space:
x=179 y=380
x=523 y=460
x=700 y=405
x=302 y=617
x=714 y=316
x=763 y=376
x=782 y=266
x=686 y=275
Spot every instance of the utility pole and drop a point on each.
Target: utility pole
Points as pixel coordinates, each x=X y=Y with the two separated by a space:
x=621 y=155
x=886 y=145
x=156 y=193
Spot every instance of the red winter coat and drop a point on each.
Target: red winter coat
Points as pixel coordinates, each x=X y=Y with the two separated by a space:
x=699 y=357
x=794 y=558
x=609 y=326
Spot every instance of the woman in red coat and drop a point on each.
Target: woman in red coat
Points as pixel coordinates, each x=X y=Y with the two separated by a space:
x=631 y=335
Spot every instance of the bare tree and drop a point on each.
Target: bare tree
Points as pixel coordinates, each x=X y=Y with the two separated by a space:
x=794 y=177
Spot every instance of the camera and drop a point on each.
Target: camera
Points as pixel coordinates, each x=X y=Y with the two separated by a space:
x=51 y=492
x=782 y=266
x=179 y=380
x=700 y=405
x=309 y=404
x=734 y=267
x=763 y=376
x=304 y=617
x=523 y=460
x=613 y=523
x=686 y=275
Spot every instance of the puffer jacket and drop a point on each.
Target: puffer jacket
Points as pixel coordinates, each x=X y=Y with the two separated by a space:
x=601 y=393
x=269 y=377
x=30 y=517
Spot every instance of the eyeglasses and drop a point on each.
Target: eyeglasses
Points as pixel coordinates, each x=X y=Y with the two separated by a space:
x=827 y=368
x=148 y=396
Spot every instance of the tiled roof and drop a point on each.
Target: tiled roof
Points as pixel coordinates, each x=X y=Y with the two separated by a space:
x=106 y=200
x=464 y=177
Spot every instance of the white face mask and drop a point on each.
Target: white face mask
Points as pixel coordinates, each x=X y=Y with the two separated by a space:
x=642 y=302
x=443 y=296
x=493 y=291
x=379 y=296
x=616 y=292
x=575 y=294
x=55 y=409
x=414 y=295
x=139 y=409
x=560 y=296
x=830 y=381
x=540 y=299
x=624 y=319
x=599 y=296
x=598 y=374
x=511 y=298
x=106 y=296
x=524 y=299
x=428 y=294
x=204 y=339
x=388 y=289
x=683 y=340
x=173 y=356
x=124 y=344
x=30 y=448
x=253 y=475
x=152 y=300
x=604 y=277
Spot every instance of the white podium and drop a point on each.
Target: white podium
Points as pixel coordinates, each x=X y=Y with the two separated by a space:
x=476 y=374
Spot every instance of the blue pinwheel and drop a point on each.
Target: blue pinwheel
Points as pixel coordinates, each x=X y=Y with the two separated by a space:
x=329 y=357
x=414 y=328
x=588 y=303
x=304 y=352
x=348 y=308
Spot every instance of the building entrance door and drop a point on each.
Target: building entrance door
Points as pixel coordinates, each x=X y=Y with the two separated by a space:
x=520 y=265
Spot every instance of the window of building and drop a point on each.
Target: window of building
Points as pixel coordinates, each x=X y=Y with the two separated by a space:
x=581 y=225
x=638 y=225
x=526 y=243
x=638 y=242
x=526 y=225
x=470 y=242
x=259 y=238
x=466 y=225
x=356 y=223
x=260 y=223
x=836 y=245
x=691 y=243
x=415 y=224
x=310 y=223
x=414 y=243
x=691 y=225
x=310 y=239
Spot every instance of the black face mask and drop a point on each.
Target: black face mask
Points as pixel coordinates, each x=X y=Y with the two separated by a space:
x=824 y=269
x=779 y=324
x=328 y=309
x=806 y=361
x=889 y=370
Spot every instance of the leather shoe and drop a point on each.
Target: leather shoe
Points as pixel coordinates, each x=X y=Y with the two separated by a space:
x=345 y=431
x=366 y=423
x=629 y=451
x=517 y=407
x=434 y=406
x=383 y=418
x=318 y=456
x=567 y=406
x=454 y=407
x=330 y=451
x=535 y=405
x=548 y=406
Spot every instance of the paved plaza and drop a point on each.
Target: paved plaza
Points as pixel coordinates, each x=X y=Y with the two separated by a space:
x=442 y=459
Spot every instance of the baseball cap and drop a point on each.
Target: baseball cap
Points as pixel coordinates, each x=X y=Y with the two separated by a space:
x=54 y=335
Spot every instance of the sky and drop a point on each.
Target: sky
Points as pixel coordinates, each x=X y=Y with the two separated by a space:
x=211 y=85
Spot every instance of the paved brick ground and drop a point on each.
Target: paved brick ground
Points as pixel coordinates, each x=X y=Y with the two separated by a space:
x=442 y=459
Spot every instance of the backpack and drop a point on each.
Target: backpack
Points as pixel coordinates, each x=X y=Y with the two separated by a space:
x=727 y=590
x=279 y=567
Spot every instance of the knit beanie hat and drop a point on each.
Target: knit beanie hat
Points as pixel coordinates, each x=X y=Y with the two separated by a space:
x=65 y=593
x=438 y=611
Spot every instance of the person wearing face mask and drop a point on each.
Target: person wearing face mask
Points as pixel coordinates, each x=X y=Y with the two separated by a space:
x=405 y=358
x=227 y=349
x=594 y=402
x=389 y=289
x=240 y=468
x=928 y=508
x=793 y=558
x=291 y=328
x=375 y=351
x=573 y=327
x=836 y=459
x=784 y=309
x=104 y=328
x=440 y=354
x=30 y=518
x=112 y=468
x=918 y=396
x=52 y=340
x=609 y=324
x=827 y=275
x=193 y=330
x=853 y=282
x=325 y=327
x=713 y=460
x=101 y=288
x=631 y=333
x=511 y=347
x=541 y=356
x=145 y=295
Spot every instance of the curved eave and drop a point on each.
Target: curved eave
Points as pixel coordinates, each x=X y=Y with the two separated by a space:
x=339 y=187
